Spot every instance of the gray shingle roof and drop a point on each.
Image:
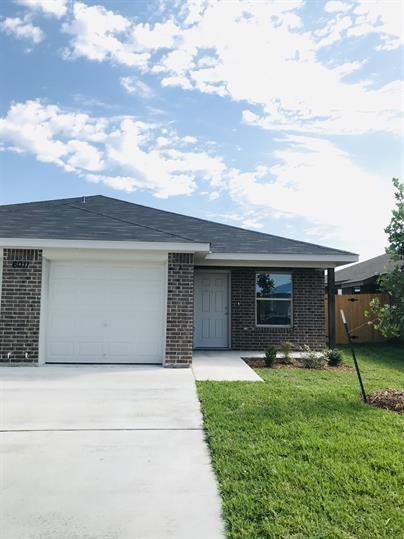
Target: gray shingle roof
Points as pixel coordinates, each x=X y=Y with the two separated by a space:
x=362 y=271
x=104 y=218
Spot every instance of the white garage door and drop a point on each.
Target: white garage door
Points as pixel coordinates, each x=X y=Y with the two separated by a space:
x=105 y=313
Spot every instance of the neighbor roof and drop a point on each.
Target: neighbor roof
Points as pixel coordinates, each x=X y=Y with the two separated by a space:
x=358 y=273
x=105 y=218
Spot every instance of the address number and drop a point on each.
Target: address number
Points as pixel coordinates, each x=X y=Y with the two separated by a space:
x=20 y=264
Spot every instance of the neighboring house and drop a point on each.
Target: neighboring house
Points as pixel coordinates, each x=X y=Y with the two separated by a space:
x=100 y=280
x=362 y=278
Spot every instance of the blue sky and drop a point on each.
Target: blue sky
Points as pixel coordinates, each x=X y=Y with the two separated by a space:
x=279 y=116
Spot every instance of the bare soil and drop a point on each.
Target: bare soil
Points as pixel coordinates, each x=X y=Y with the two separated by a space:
x=389 y=399
x=259 y=363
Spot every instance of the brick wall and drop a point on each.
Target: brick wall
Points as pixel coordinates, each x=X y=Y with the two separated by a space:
x=308 y=311
x=20 y=304
x=180 y=310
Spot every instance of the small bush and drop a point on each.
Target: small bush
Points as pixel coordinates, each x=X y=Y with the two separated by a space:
x=286 y=348
x=334 y=357
x=270 y=355
x=311 y=359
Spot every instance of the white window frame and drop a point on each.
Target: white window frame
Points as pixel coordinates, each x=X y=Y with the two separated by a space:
x=273 y=299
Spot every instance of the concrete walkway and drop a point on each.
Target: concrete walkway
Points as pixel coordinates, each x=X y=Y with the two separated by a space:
x=104 y=452
x=224 y=365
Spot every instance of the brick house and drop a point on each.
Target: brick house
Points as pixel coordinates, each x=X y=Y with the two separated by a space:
x=100 y=280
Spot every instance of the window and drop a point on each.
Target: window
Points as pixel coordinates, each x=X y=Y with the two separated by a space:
x=274 y=299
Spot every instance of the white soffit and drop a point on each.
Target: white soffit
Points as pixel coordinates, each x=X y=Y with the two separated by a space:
x=34 y=243
x=276 y=260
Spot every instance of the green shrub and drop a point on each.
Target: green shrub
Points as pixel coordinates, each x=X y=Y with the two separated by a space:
x=311 y=359
x=334 y=357
x=270 y=355
x=286 y=348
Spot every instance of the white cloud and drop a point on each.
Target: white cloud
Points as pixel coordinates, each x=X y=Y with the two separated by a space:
x=121 y=183
x=100 y=34
x=56 y=8
x=333 y=31
x=21 y=28
x=334 y=6
x=85 y=156
x=129 y=154
x=381 y=17
x=275 y=67
x=96 y=34
x=211 y=195
x=189 y=140
x=313 y=179
x=159 y=36
x=133 y=85
x=254 y=224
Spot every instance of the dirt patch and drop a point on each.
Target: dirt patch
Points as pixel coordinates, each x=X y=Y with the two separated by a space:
x=259 y=363
x=389 y=399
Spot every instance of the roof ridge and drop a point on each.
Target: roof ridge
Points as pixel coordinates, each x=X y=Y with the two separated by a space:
x=60 y=200
x=130 y=222
x=232 y=226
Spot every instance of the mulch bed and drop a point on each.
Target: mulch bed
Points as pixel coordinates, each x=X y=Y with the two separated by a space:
x=259 y=363
x=389 y=399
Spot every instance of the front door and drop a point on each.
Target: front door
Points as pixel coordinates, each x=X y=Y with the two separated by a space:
x=211 y=320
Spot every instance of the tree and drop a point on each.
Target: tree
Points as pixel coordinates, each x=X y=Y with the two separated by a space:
x=389 y=319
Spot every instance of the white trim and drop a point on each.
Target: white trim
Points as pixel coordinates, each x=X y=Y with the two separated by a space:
x=330 y=260
x=177 y=247
x=202 y=263
x=43 y=315
x=104 y=255
x=163 y=359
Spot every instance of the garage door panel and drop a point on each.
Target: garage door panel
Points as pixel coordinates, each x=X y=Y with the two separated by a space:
x=58 y=325
x=61 y=349
x=90 y=349
x=106 y=313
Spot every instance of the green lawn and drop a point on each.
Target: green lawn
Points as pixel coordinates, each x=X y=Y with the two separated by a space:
x=301 y=456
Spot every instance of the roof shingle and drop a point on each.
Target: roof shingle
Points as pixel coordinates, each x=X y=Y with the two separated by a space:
x=104 y=218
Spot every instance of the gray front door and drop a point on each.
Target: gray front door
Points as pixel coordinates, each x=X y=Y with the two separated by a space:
x=211 y=319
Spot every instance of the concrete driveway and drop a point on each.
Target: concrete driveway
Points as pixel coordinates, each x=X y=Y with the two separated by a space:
x=104 y=452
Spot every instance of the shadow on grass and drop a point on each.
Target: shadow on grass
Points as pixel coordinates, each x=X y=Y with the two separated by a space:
x=312 y=410
x=388 y=355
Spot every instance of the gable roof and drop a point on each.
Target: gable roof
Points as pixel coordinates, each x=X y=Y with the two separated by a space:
x=368 y=269
x=110 y=219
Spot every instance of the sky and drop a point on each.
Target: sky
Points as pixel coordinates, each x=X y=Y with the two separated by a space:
x=278 y=116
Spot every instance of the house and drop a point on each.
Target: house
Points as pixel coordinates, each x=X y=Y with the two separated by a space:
x=101 y=280
x=362 y=277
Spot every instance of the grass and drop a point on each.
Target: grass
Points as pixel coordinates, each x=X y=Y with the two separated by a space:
x=301 y=456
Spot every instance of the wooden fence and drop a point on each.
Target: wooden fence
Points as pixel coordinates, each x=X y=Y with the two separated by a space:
x=354 y=307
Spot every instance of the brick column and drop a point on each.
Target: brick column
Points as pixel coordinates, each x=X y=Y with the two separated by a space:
x=180 y=310
x=20 y=304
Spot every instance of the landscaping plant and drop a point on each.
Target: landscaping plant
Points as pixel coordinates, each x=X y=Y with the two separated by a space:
x=311 y=359
x=286 y=348
x=334 y=357
x=388 y=319
x=270 y=355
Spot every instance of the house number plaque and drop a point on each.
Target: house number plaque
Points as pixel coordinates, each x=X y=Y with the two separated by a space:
x=20 y=264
